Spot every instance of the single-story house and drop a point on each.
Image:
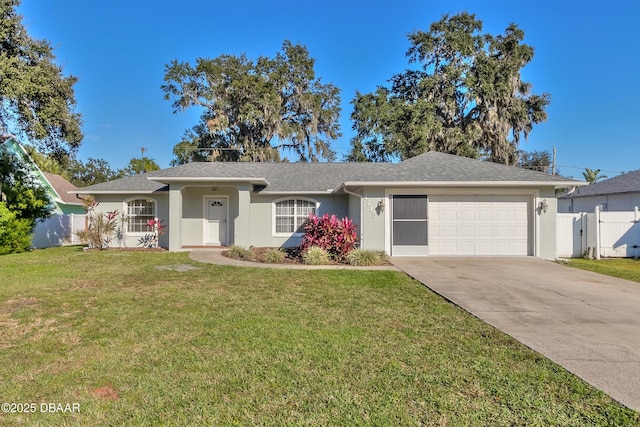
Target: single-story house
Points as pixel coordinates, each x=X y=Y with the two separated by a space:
x=432 y=204
x=620 y=193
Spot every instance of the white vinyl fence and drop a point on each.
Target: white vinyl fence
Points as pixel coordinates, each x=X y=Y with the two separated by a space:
x=598 y=234
x=59 y=230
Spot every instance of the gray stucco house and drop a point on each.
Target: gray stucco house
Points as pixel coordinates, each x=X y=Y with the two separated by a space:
x=432 y=204
x=620 y=193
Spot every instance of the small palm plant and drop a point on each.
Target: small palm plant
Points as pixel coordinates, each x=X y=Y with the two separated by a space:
x=592 y=175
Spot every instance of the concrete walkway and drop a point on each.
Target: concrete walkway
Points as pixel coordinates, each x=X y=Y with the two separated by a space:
x=586 y=322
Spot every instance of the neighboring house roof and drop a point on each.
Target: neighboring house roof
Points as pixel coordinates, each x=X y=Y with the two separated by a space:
x=62 y=187
x=625 y=183
x=430 y=168
x=56 y=186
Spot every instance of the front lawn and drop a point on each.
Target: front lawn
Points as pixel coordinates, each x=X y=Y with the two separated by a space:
x=623 y=268
x=157 y=339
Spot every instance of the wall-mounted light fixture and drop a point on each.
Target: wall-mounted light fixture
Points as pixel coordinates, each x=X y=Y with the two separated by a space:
x=380 y=206
x=214 y=188
x=543 y=206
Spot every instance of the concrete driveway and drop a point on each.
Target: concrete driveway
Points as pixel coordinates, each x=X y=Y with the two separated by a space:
x=586 y=322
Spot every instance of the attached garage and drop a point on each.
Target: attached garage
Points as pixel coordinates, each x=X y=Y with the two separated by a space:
x=480 y=225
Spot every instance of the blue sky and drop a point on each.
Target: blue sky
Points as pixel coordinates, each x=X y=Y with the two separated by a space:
x=587 y=56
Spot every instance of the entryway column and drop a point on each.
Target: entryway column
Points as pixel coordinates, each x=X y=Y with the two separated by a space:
x=175 y=217
x=242 y=225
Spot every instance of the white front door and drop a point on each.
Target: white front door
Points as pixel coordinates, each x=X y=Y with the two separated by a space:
x=215 y=227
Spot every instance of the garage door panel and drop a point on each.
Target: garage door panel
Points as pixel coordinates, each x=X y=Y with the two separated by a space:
x=485 y=231
x=485 y=248
x=479 y=225
x=486 y=215
x=502 y=231
x=449 y=231
x=466 y=215
x=503 y=215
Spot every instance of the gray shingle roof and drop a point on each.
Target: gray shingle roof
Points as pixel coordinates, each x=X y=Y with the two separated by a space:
x=440 y=167
x=129 y=184
x=625 y=183
x=325 y=177
x=281 y=177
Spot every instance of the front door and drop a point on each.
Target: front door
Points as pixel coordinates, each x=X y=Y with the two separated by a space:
x=215 y=228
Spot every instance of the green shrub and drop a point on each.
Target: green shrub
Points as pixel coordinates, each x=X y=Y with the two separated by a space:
x=315 y=255
x=238 y=252
x=274 y=256
x=15 y=233
x=362 y=257
x=235 y=251
x=248 y=255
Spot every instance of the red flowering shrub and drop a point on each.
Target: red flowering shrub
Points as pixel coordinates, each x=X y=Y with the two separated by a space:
x=336 y=236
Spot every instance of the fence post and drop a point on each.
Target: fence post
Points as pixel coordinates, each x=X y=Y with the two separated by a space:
x=584 y=243
x=72 y=224
x=597 y=248
x=636 y=221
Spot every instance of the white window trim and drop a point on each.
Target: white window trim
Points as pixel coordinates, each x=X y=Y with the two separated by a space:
x=126 y=212
x=273 y=215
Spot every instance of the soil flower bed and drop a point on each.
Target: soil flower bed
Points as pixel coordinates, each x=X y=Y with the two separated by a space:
x=289 y=255
x=272 y=255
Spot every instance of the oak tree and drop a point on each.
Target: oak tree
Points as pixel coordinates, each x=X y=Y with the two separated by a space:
x=255 y=110
x=37 y=101
x=140 y=165
x=462 y=95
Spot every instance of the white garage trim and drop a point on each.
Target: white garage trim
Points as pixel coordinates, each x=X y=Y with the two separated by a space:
x=524 y=208
x=480 y=225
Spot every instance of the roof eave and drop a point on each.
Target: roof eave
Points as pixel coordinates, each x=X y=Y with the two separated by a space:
x=506 y=184
x=169 y=180
x=283 y=192
x=117 y=191
x=59 y=201
x=613 y=193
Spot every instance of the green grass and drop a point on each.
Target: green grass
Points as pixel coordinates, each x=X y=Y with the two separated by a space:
x=251 y=346
x=623 y=268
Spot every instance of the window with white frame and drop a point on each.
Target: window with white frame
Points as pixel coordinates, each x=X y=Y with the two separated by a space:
x=139 y=212
x=290 y=215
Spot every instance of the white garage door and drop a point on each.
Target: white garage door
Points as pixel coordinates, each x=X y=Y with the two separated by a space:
x=479 y=225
